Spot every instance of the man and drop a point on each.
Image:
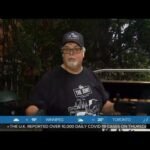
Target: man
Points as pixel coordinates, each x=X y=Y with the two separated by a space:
x=70 y=89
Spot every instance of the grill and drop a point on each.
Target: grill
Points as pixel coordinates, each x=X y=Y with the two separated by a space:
x=131 y=97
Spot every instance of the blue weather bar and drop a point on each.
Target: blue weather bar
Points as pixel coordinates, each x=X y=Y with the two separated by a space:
x=74 y=119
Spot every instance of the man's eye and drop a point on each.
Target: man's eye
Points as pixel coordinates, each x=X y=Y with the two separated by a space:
x=77 y=49
x=67 y=49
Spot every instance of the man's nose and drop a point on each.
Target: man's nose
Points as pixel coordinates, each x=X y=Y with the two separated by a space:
x=71 y=52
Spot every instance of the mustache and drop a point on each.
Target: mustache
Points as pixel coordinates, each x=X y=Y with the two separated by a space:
x=70 y=59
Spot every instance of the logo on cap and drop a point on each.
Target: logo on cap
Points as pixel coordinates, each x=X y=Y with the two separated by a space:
x=73 y=36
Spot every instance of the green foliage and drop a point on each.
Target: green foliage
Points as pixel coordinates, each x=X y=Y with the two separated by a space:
x=110 y=43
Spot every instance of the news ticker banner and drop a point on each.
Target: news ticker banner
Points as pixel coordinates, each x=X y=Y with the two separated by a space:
x=75 y=120
x=79 y=127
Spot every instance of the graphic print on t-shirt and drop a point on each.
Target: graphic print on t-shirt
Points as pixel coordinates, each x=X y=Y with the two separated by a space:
x=82 y=91
x=83 y=105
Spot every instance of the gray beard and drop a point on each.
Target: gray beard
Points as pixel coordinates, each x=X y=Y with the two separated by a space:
x=72 y=64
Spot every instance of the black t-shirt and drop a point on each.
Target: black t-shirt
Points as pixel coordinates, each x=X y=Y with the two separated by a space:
x=62 y=93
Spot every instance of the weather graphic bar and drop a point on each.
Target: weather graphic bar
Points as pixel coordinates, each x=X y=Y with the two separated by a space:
x=74 y=119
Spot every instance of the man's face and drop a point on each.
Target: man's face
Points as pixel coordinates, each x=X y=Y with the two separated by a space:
x=73 y=55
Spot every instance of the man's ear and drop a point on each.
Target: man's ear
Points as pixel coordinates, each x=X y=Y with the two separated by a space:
x=83 y=54
x=84 y=51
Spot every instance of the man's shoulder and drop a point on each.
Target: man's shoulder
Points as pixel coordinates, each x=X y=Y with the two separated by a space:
x=88 y=70
x=52 y=71
x=91 y=73
x=49 y=77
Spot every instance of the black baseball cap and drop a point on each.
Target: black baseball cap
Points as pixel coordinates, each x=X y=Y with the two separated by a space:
x=73 y=36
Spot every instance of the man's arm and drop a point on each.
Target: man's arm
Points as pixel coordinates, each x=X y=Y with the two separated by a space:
x=108 y=109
